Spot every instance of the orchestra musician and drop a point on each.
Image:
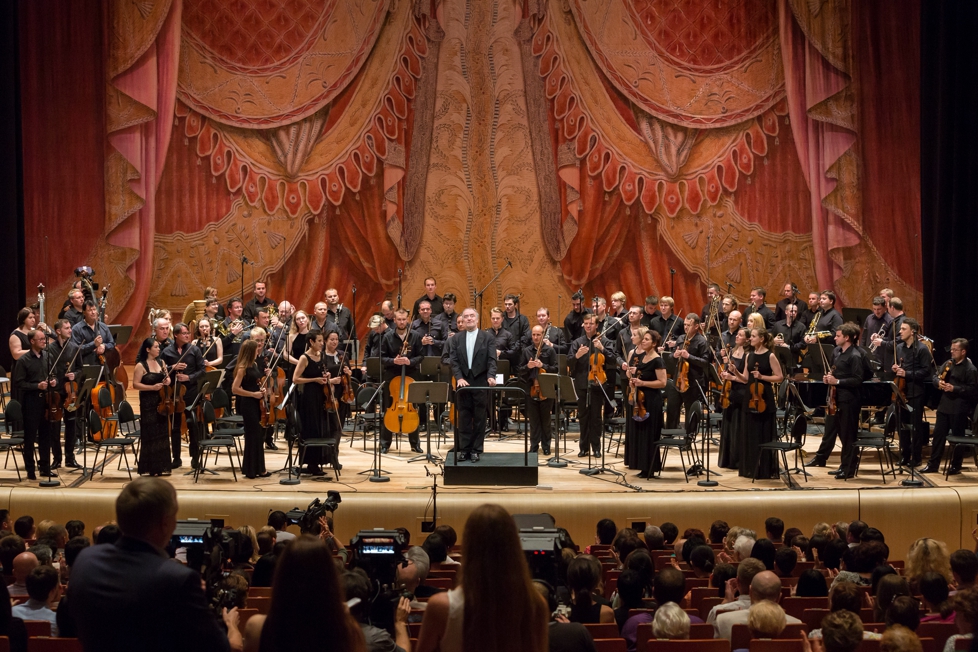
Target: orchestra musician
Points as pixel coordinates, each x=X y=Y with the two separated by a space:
x=959 y=392
x=387 y=310
x=915 y=364
x=762 y=368
x=430 y=331
x=335 y=367
x=431 y=296
x=619 y=312
x=757 y=297
x=829 y=319
x=887 y=294
x=320 y=320
x=260 y=301
x=625 y=342
x=231 y=329
x=472 y=356
x=19 y=340
x=665 y=323
x=30 y=380
x=377 y=330
x=600 y=309
x=310 y=375
x=876 y=323
x=698 y=354
x=161 y=329
x=713 y=294
x=812 y=308
x=207 y=342
x=552 y=336
x=646 y=373
x=574 y=321
x=76 y=299
x=734 y=320
x=884 y=342
x=449 y=318
x=185 y=365
x=148 y=378
x=91 y=335
x=790 y=333
x=210 y=294
x=66 y=367
x=248 y=391
x=590 y=393
x=516 y=323
x=789 y=294
x=393 y=362
x=538 y=409
x=734 y=415
x=651 y=310
x=847 y=375
x=507 y=348
x=339 y=314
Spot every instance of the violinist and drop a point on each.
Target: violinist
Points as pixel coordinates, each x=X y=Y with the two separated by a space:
x=847 y=376
x=185 y=365
x=150 y=378
x=310 y=374
x=392 y=362
x=207 y=342
x=336 y=365
x=66 y=369
x=915 y=365
x=733 y=400
x=249 y=392
x=959 y=391
x=552 y=336
x=761 y=371
x=698 y=354
x=92 y=335
x=647 y=376
x=536 y=358
x=591 y=359
x=298 y=338
x=30 y=381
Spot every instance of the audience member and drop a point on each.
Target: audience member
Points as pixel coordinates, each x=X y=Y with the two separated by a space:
x=926 y=555
x=890 y=587
x=670 y=586
x=764 y=550
x=24 y=527
x=746 y=571
x=900 y=639
x=654 y=539
x=357 y=584
x=669 y=533
x=904 y=611
x=766 y=619
x=670 y=622
x=11 y=627
x=563 y=636
x=964 y=568
x=842 y=631
x=496 y=589
x=10 y=546
x=583 y=579
x=129 y=595
x=630 y=593
x=110 y=533
x=774 y=529
x=605 y=532
x=811 y=584
x=44 y=589
x=789 y=536
x=721 y=574
x=934 y=590
x=24 y=563
x=965 y=605
x=279 y=521
x=785 y=560
x=765 y=586
x=702 y=560
x=75 y=528
x=718 y=531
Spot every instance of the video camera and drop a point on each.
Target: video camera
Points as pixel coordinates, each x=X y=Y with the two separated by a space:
x=308 y=519
x=541 y=543
x=379 y=553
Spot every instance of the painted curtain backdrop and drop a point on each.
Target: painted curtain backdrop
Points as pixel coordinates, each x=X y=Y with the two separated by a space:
x=591 y=144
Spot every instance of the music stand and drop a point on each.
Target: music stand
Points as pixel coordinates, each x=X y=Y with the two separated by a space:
x=430 y=366
x=714 y=377
x=120 y=333
x=502 y=369
x=427 y=392
x=85 y=401
x=558 y=387
x=212 y=377
x=291 y=460
x=376 y=370
x=813 y=361
x=785 y=358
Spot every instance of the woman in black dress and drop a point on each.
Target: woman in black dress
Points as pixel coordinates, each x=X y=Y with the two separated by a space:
x=649 y=377
x=336 y=366
x=246 y=387
x=761 y=372
x=154 y=431
x=311 y=376
x=733 y=414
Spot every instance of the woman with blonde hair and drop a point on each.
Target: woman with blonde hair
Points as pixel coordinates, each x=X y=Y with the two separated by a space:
x=249 y=532
x=926 y=555
x=496 y=608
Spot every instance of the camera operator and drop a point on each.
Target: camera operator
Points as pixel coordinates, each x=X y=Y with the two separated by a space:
x=323 y=529
x=358 y=585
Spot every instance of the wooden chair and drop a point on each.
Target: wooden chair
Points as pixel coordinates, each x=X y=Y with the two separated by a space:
x=813 y=617
x=698 y=594
x=940 y=632
x=740 y=636
x=869 y=645
x=801 y=567
x=439 y=582
x=50 y=644
x=777 y=645
x=610 y=645
x=690 y=645
x=795 y=606
x=260 y=604
x=707 y=604
x=414 y=630
x=260 y=592
x=244 y=615
x=37 y=628
x=602 y=630
x=610 y=585
x=5 y=642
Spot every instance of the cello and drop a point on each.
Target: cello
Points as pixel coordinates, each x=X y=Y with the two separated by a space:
x=402 y=417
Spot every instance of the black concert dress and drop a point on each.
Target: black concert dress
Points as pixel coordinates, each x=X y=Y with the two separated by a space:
x=761 y=427
x=253 y=462
x=154 y=429
x=312 y=414
x=649 y=431
x=733 y=422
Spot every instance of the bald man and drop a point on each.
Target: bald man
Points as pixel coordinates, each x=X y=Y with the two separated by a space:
x=24 y=563
x=765 y=586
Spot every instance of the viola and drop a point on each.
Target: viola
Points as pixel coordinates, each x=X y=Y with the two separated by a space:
x=275 y=386
x=756 y=403
x=71 y=387
x=348 y=396
x=401 y=416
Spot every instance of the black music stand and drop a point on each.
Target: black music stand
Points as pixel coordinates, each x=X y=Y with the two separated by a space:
x=429 y=369
x=558 y=387
x=291 y=460
x=427 y=392
x=120 y=333
x=785 y=358
x=705 y=445
x=813 y=360
x=376 y=370
x=502 y=369
x=84 y=407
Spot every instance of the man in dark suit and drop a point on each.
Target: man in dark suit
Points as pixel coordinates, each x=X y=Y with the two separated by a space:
x=131 y=596
x=472 y=356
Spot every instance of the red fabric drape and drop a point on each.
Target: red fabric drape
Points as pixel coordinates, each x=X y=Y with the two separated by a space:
x=62 y=87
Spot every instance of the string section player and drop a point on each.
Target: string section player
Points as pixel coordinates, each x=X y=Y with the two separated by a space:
x=31 y=380
x=536 y=358
x=692 y=352
x=393 y=362
x=66 y=369
x=185 y=364
x=592 y=359
x=846 y=375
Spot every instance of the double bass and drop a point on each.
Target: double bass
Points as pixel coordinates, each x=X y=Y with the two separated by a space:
x=402 y=417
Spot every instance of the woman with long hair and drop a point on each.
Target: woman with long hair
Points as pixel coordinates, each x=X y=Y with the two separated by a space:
x=149 y=378
x=583 y=579
x=648 y=375
x=926 y=554
x=733 y=415
x=761 y=371
x=496 y=609
x=310 y=374
x=210 y=346
x=298 y=336
x=307 y=611
x=250 y=393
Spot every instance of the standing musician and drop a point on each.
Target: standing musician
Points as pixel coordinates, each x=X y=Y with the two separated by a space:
x=430 y=285
x=339 y=314
x=249 y=392
x=76 y=299
x=207 y=342
x=847 y=375
x=185 y=364
x=729 y=336
x=19 y=339
x=590 y=393
x=810 y=309
x=258 y=302
x=516 y=322
x=321 y=320
x=698 y=354
x=336 y=366
x=666 y=323
x=65 y=368
x=552 y=336
x=875 y=324
x=161 y=330
x=789 y=294
x=713 y=294
x=378 y=329
x=30 y=380
x=915 y=364
x=757 y=297
x=430 y=331
x=619 y=311
x=393 y=362
x=600 y=309
x=790 y=333
x=507 y=348
x=959 y=392
x=887 y=294
x=574 y=321
x=449 y=318
x=539 y=357
x=91 y=335
x=210 y=294
x=472 y=356
x=232 y=327
x=387 y=310
x=624 y=343
x=310 y=372
x=884 y=342
x=651 y=310
x=280 y=337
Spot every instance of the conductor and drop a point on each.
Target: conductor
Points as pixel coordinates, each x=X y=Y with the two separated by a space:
x=472 y=355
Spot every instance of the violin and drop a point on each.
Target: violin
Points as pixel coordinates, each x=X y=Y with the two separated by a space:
x=596 y=372
x=830 y=405
x=401 y=416
x=348 y=395
x=756 y=403
x=535 y=391
x=727 y=384
x=71 y=387
x=53 y=409
x=330 y=404
x=682 y=370
x=637 y=398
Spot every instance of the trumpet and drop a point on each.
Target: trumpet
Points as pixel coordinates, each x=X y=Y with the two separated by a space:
x=879 y=333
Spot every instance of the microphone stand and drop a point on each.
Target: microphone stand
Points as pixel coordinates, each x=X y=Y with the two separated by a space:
x=555 y=462
x=477 y=296
x=400 y=273
x=672 y=282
